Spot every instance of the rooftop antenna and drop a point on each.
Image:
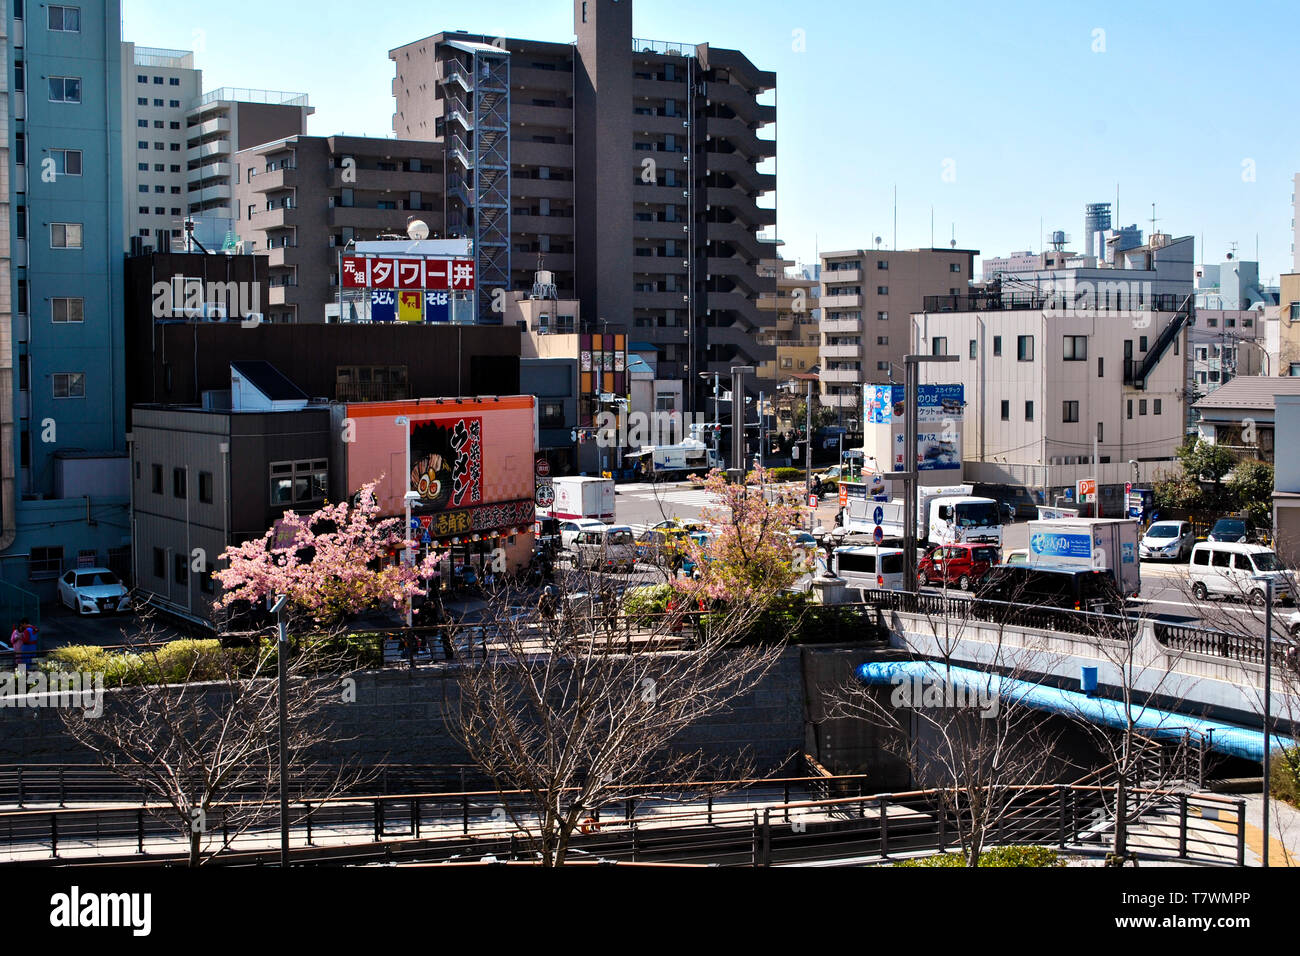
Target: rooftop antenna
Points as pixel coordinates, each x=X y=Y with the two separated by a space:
x=895 y=245
x=953 y=241
x=1154 y=220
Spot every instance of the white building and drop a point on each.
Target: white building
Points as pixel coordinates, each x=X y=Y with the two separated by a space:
x=158 y=88
x=1097 y=362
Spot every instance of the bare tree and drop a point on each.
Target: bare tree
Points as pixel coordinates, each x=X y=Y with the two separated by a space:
x=196 y=729
x=582 y=706
x=954 y=715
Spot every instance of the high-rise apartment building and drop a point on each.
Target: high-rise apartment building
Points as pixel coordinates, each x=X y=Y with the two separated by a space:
x=158 y=89
x=305 y=199
x=867 y=296
x=218 y=125
x=629 y=168
x=63 y=490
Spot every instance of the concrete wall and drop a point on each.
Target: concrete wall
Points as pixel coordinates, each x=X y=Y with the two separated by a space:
x=398 y=717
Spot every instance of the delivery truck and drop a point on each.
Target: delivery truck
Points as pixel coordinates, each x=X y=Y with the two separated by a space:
x=1108 y=544
x=581 y=498
x=947 y=514
x=690 y=456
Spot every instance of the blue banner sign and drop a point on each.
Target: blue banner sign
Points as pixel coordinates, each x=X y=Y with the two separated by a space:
x=1061 y=545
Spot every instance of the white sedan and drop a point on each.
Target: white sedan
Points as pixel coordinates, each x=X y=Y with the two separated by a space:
x=1167 y=540
x=93 y=591
x=569 y=530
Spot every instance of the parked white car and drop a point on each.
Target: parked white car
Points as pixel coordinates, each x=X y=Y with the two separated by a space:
x=569 y=530
x=1230 y=569
x=93 y=591
x=1167 y=541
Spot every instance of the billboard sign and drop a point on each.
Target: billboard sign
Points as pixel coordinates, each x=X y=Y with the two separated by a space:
x=447 y=462
x=1053 y=545
x=404 y=272
x=935 y=451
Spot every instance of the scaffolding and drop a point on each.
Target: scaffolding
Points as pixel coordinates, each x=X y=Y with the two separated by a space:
x=476 y=90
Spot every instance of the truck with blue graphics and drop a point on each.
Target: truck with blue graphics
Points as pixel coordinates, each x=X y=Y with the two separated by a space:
x=1109 y=544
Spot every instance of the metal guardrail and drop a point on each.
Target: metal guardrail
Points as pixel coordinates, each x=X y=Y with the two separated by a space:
x=1002 y=612
x=862 y=828
x=1243 y=648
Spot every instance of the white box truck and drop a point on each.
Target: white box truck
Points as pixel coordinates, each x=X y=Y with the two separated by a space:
x=581 y=498
x=687 y=457
x=1109 y=544
x=944 y=515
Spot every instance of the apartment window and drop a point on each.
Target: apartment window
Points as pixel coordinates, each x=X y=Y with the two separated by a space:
x=1075 y=348
x=21 y=222
x=67 y=310
x=159 y=146
x=160 y=210
x=954 y=267
x=156 y=478
x=157 y=81
x=159 y=167
x=293 y=482
x=882 y=264
x=65 y=89
x=205 y=487
x=65 y=234
x=1101 y=367
x=160 y=189
x=997 y=345
x=175 y=147
x=1142 y=406
x=178 y=483
x=20 y=149
x=144 y=211
x=1100 y=435
x=1069 y=411
x=1029 y=411
x=1142 y=343
x=143 y=187
x=974 y=349
x=1024 y=348
x=206 y=582
x=45 y=563
x=142 y=167
x=176 y=211
x=1155 y=406
x=176 y=190
x=180 y=568
x=139 y=78
x=142 y=101
x=173 y=81
x=69 y=384
x=884 y=367
x=158 y=124
x=1130 y=405
x=67 y=162
x=882 y=290
x=64 y=19
x=142 y=123
x=174 y=104
x=173 y=125
x=882 y=339
x=1006 y=410
x=882 y=316
x=939 y=346
x=160 y=564
x=142 y=144
x=175 y=167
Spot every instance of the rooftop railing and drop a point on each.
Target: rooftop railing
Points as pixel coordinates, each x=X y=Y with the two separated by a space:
x=241 y=95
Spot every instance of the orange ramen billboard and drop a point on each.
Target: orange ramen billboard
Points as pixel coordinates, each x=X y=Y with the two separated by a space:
x=466 y=455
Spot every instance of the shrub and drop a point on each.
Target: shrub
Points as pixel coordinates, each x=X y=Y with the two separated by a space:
x=998 y=856
x=188 y=660
x=77 y=658
x=1285 y=776
x=640 y=603
x=786 y=474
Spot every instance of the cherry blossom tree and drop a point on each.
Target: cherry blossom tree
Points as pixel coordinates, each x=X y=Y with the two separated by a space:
x=750 y=555
x=330 y=564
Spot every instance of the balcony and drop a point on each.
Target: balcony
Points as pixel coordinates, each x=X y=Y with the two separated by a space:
x=522 y=188
x=658 y=229
x=541 y=225
x=220 y=124
x=1042 y=301
x=840 y=326
x=840 y=351
x=218 y=193
x=851 y=376
x=841 y=276
x=218 y=147
x=210 y=171
x=382 y=180
x=841 y=302
x=282 y=256
x=361 y=217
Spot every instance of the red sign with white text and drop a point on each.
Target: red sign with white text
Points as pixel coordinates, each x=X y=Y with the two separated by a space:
x=388 y=272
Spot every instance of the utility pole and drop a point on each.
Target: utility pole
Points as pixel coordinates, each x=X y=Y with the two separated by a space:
x=1096 y=471
x=908 y=474
x=738 y=373
x=1268 y=699
x=275 y=604
x=807 y=454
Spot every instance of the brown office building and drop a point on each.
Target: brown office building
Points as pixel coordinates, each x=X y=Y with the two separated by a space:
x=303 y=200
x=628 y=167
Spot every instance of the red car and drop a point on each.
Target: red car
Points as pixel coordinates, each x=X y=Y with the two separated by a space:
x=961 y=564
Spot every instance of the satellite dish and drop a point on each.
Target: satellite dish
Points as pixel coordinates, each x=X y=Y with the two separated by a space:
x=417 y=229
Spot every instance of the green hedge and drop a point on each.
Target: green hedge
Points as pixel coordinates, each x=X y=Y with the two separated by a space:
x=1001 y=856
x=172 y=662
x=1285 y=773
x=787 y=474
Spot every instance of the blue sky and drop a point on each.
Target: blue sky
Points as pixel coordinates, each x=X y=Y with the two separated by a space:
x=999 y=115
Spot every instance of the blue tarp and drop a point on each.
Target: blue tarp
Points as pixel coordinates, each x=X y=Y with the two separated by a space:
x=1223 y=738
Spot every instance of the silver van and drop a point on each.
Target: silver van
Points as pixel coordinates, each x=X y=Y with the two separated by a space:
x=607 y=548
x=869 y=567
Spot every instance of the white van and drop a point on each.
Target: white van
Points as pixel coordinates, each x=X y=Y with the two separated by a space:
x=1229 y=569
x=869 y=567
x=605 y=548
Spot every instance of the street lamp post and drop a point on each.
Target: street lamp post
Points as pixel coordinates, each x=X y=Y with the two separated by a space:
x=408 y=498
x=275 y=603
x=1268 y=697
x=738 y=373
x=909 y=473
